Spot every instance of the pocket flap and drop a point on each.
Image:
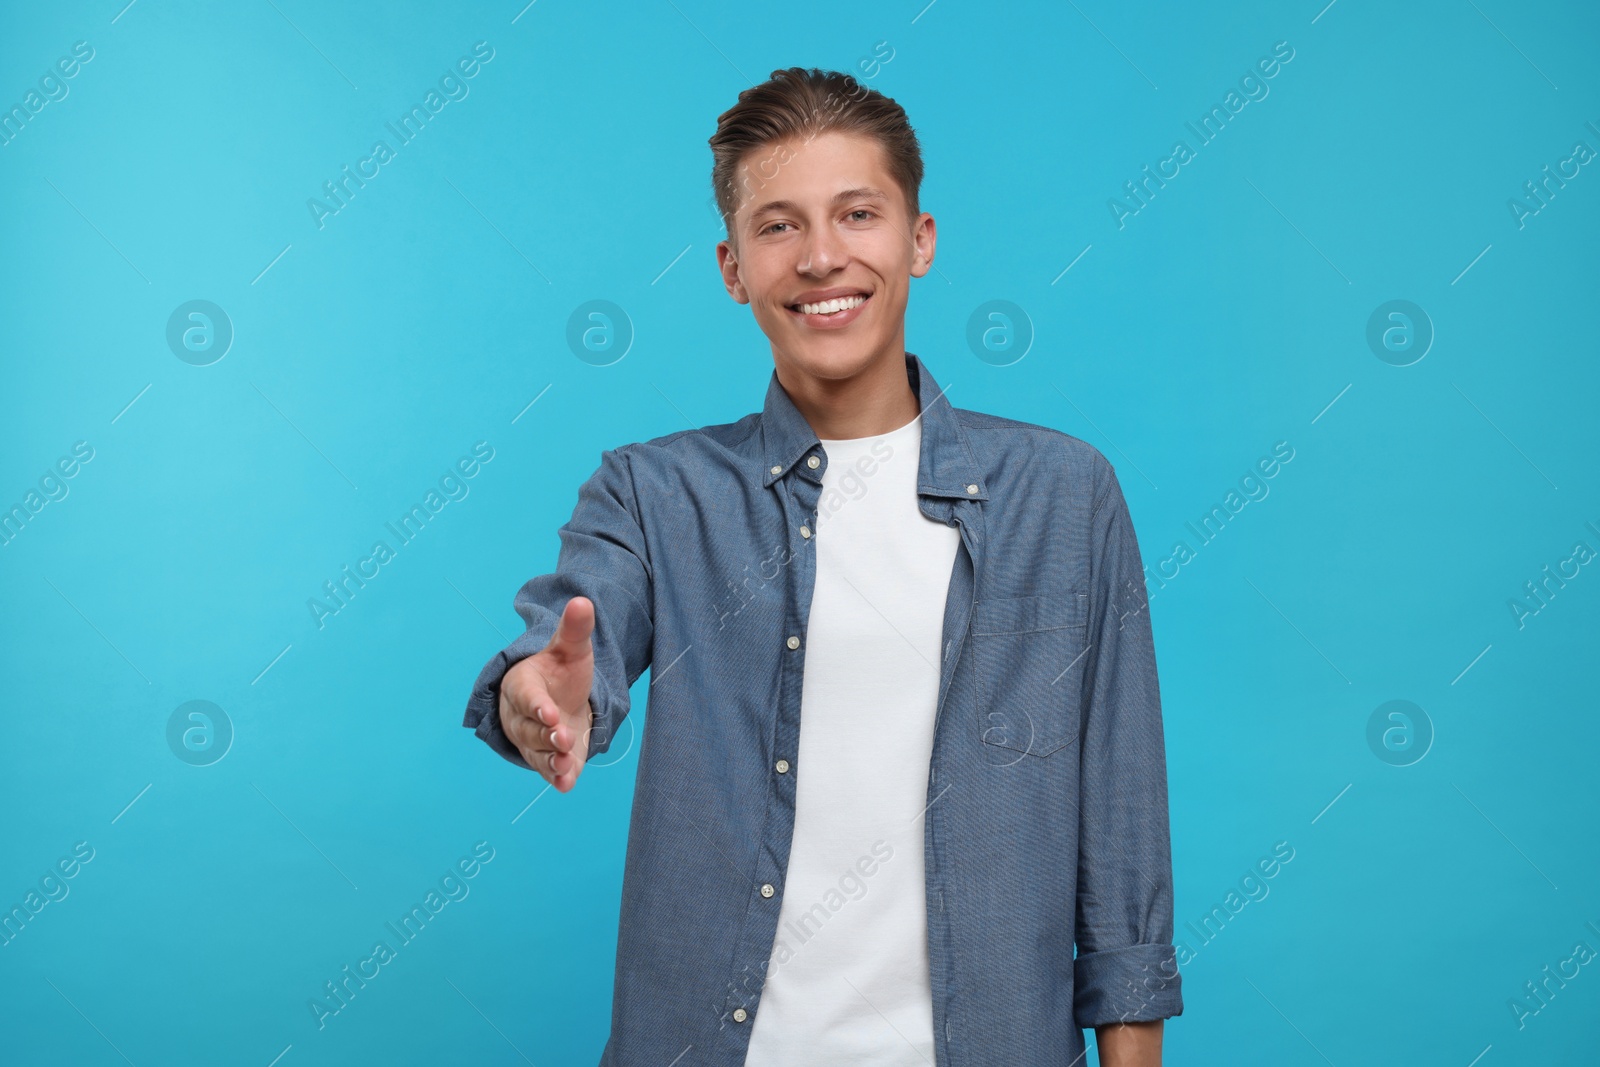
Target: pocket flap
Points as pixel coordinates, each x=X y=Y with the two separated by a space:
x=1026 y=614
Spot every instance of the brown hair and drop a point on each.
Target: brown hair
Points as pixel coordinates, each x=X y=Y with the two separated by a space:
x=800 y=102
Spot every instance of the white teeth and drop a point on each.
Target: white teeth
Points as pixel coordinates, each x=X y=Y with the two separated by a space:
x=829 y=307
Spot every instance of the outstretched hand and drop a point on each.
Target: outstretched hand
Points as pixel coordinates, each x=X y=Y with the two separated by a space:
x=544 y=699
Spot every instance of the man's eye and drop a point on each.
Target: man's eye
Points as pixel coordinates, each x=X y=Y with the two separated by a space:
x=862 y=211
x=771 y=226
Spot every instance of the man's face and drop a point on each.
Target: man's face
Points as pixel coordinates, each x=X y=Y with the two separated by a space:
x=818 y=222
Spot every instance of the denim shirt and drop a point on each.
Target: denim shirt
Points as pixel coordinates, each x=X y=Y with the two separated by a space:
x=1046 y=820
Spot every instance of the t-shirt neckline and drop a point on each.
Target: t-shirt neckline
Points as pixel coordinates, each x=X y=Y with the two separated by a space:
x=897 y=432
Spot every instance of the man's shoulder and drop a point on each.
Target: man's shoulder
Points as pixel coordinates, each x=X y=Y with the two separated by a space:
x=725 y=436
x=997 y=437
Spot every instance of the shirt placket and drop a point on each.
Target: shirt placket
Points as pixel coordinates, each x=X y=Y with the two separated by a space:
x=797 y=494
x=967 y=516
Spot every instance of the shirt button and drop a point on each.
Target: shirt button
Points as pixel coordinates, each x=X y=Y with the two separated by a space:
x=813 y=462
x=767 y=890
x=805 y=531
x=739 y=1015
x=972 y=489
x=783 y=766
x=793 y=642
x=775 y=470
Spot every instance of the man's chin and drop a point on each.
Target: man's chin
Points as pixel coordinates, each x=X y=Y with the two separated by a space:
x=829 y=359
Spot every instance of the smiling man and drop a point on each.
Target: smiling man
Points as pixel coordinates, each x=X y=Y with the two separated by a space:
x=905 y=749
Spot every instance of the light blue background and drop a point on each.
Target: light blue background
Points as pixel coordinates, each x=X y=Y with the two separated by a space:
x=370 y=354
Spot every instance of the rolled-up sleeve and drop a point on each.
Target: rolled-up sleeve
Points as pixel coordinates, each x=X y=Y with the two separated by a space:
x=1126 y=968
x=603 y=557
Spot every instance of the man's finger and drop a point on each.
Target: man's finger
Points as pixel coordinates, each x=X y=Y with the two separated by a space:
x=555 y=761
x=572 y=632
x=542 y=759
x=543 y=727
x=551 y=741
x=557 y=737
x=563 y=777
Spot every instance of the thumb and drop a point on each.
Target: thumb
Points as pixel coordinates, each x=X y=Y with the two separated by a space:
x=572 y=637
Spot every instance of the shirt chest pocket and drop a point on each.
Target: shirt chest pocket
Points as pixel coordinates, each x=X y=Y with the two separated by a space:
x=1029 y=656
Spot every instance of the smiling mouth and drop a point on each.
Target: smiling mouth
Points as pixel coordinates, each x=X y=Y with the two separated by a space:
x=838 y=306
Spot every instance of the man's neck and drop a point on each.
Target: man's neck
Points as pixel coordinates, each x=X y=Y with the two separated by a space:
x=873 y=402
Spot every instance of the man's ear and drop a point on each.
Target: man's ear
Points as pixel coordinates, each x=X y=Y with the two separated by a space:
x=924 y=236
x=728 y=266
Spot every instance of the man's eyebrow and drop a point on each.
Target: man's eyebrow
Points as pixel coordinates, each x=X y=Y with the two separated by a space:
x=865 y=192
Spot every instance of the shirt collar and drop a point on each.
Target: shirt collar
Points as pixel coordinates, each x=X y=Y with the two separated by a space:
x=945 y=466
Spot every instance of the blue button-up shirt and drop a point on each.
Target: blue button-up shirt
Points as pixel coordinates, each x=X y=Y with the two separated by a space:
x=1046 y=820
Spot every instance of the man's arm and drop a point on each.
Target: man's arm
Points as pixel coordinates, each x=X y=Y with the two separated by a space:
x=1126 y=969
x=604 y=558
x=1129 y=1044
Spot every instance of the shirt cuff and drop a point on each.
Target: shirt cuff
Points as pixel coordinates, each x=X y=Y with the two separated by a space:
x=1138 y=983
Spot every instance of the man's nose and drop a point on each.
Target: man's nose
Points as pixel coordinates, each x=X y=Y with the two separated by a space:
x=824 y=251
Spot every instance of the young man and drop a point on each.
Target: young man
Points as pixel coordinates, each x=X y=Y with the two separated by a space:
x=904 y=746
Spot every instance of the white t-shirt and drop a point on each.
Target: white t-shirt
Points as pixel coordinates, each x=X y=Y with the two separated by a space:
x=847 y=982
